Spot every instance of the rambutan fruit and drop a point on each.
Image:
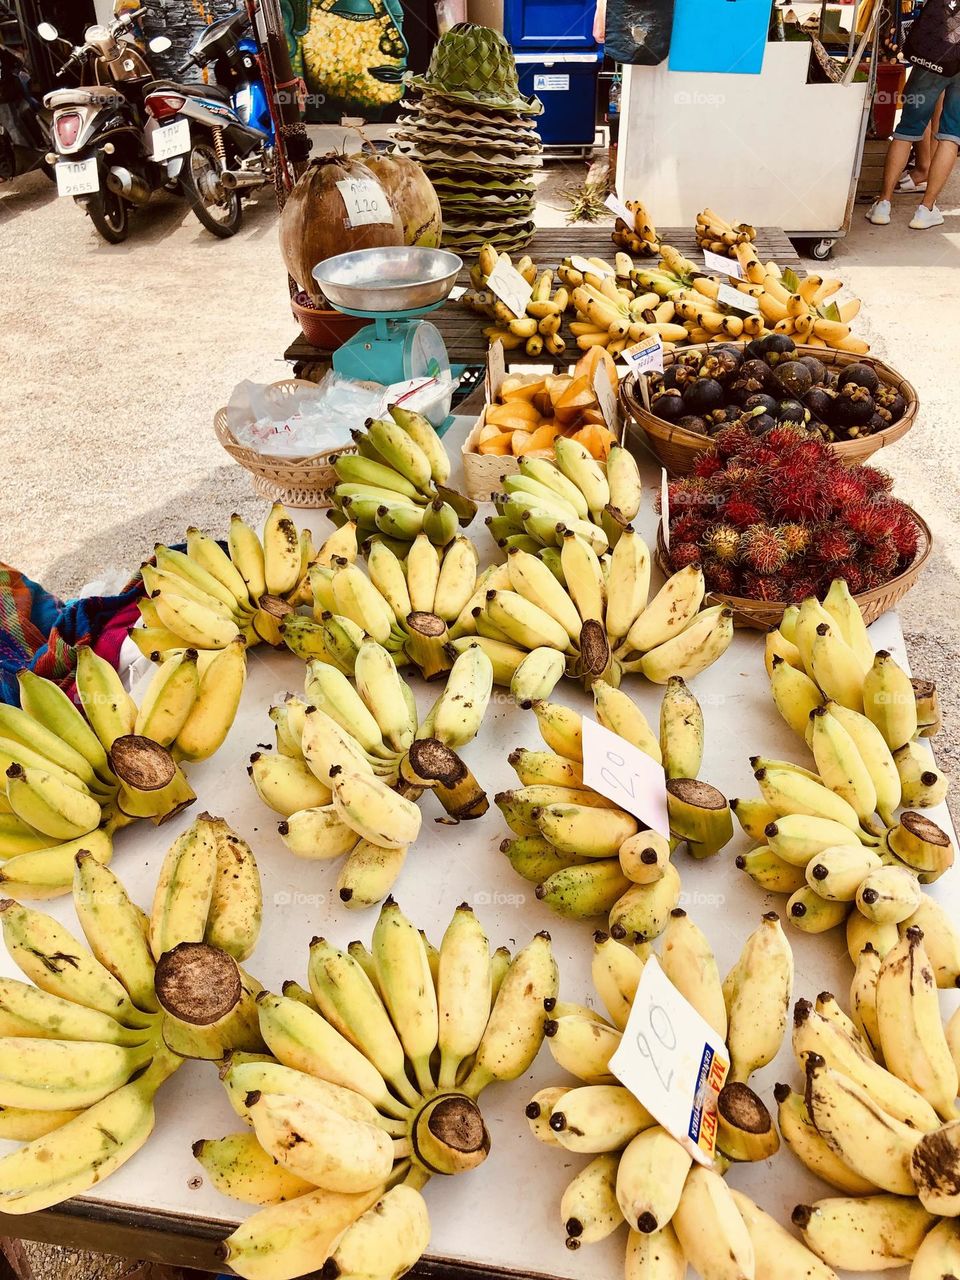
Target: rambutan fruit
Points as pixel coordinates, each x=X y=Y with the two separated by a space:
x=796 y=538
x=785 y=435
x=874 y=480
x=682 y=493
x=740 y=512
x=881 y=562
x=723 y=542
x=906 y=536
x=720 y=577
x=851 y=573
x=732 y=440
x=683 y=554
x=708 y=464
x=801 y=588
x=760 y=586
x=689 y=526
x=762 y=548
x=870 y=520
x=832 y=544
x=843 y=489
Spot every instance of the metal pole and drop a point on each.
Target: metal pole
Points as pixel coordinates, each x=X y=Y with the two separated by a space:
x=284 y=91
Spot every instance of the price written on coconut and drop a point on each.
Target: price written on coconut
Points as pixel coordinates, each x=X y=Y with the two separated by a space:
x=365 y=201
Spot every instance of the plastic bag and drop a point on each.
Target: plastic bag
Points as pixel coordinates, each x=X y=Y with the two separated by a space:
x=302 y=422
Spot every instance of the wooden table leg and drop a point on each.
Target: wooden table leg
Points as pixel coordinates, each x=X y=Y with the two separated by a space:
x=14 y=1264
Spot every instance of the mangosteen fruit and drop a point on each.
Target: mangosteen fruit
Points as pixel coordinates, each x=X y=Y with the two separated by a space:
x=668 y=404
x=761 y=401
x=853 y=407
x=678 y=375
x=861 y=375
x=734 y=349
x=720 y=365
x=889 y=399
x=693 y=422
x=755 y=348
x=703 y=395
x=819 y=400
x=692 y=359
x=780 y=348
x=817 y=368
x=795 y=378
x=793 y=411
x=877 y=423
x=759 y=423
x=722 y=417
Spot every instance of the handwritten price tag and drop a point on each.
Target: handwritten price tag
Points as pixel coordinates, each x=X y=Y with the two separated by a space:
x=590 y=268
x=510 y=287
x=665 y=506
x=646 y=356
x=606 y=396
x=365 y=202
x=626 y=775
x=738 y=301
x=616 y=205
x=673 y=1062
x=723 y=266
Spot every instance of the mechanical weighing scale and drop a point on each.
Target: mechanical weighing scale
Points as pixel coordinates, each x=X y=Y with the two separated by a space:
x=395 y=288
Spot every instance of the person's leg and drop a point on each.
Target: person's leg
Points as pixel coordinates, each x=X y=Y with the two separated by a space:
x=922 y=154
x=944 y=158
x=898 y=153
x=920 y=96
x=940 y=169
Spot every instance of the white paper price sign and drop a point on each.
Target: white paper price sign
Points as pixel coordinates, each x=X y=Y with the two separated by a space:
x=590 y=268
x=665 y=506
x=723 y=266
x=510 y=287
x=616 y=205
x=738 y=301
x=626 y=775
x=606 y=396
x=645 y=356
x=365 y=202
x=673 y=1062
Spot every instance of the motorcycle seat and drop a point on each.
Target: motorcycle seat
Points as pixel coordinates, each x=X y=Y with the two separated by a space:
x=99 y=95
x=191 y=90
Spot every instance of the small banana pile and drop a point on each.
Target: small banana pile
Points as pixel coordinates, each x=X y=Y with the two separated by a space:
x=407 y=603
x=586 y=855
x=677 y=1212
x=352 y=760
x=204 y=598
x=88 y=1040
x=596 y=613
x=371 y=1089
x=877 y=1116
x=641 y=237
x=73 y=779
x=832 y=839
x=719 y=236
x=611 y=312
x=395 y=486
x=539 y=328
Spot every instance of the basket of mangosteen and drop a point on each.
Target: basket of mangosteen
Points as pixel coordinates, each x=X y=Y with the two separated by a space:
x=774 y=519
x=857 y=404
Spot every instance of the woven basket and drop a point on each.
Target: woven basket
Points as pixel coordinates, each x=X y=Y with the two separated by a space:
x=296 y=482
x=765 y=615
x=678 y=448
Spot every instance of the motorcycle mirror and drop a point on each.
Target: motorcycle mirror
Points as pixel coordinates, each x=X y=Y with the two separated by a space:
x=160 y=44
x=46 y=31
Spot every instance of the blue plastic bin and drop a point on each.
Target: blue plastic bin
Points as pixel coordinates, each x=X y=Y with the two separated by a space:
x=551 y=24
x=566 y=84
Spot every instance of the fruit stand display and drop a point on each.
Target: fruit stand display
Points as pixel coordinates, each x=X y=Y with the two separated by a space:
x=208 y=1171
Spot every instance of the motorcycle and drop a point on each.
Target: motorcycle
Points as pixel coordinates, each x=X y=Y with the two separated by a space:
x=24 y=123
x=231 y=130
x=104 y=156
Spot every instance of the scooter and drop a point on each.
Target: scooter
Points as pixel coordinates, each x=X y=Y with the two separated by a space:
x=24 y=122
x=229 y=124
x=104 y=154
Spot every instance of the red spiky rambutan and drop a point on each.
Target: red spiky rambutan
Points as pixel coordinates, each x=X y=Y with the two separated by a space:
x=801 y=588
x=881 y=563
x=832 y=544
x=720 y=577
x=906 y=536
x=732 y=440
x=766 y=456
x=762 y=548
x=785 y=436
x=740 y=512
x=682 y=493
x=759 y=586
x=844 y=489
x=688 y=527
x=851 y=573
x=871 y=520
x=874 y=480
x=683 y=554
x=723 y=542
x=796 y=538
x=707 y=464
x=813 y=451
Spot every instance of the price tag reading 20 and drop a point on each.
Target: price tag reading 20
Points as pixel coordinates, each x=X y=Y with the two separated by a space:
x=626 y=775
x=673 y=1062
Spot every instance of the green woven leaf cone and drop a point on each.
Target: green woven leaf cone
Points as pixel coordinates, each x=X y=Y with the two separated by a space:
x=473 y=63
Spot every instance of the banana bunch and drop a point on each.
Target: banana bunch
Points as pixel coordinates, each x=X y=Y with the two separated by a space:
x=73 y=778
x=613 y=313
x=545 y=499
x=805 y=309
x=371 y=1089
x=641 y=238
x=719 y=236
x=96 y=1029
x=694 y=296
x=677 y=1213
x=832 y=838
x=352 y=760
x=204 y=598
x=538 y=329
x=586 y=855
x=407 y=603
x=877 y=1116
x=394 y=486
x=593 y=611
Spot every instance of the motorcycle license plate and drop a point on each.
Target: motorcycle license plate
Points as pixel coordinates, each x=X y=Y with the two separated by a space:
x=78 y=177
x=172 y=140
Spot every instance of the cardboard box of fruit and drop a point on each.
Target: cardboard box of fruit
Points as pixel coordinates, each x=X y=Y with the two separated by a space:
x=525 y=412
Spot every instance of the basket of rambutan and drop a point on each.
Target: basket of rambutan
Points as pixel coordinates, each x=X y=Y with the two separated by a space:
x=774 y=520
x=856 y=404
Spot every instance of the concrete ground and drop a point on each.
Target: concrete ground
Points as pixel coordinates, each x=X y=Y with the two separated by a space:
x=113 y=361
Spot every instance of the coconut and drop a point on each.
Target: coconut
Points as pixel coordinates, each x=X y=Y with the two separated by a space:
x=315 y=224
x=413 y=197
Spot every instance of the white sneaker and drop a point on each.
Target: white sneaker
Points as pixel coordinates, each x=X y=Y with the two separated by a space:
x=907 y=183
x=925 y=218
x=879 y=213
